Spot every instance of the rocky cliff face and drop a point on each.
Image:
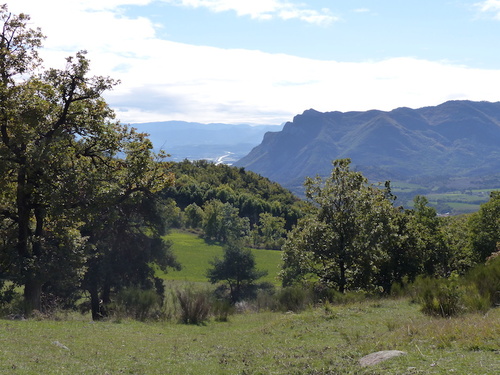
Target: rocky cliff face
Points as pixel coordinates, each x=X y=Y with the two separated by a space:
x=456 y=138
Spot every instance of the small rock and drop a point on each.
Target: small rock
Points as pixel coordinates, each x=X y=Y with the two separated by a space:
x=374 y=358
x=62 y=346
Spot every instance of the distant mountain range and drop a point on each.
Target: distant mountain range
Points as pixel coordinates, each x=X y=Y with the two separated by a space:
x=455 y=139
x=215 y=142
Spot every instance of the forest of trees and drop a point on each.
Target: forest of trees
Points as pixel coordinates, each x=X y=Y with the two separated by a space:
x=85 y=203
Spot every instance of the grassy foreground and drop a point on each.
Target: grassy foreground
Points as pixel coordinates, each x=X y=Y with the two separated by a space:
x=327 y=340
x=195 y=255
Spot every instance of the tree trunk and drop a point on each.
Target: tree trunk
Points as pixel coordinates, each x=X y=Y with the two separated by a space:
x=95 y=303
x=342 y=281
x=32 y=294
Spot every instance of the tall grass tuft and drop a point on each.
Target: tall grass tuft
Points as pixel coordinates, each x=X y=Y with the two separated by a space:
x=195 y=306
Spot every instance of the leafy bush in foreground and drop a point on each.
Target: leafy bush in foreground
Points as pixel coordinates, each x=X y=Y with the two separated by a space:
x=477 y=292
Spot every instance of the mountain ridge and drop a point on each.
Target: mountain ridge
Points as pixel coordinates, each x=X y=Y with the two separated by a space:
x=457 y=138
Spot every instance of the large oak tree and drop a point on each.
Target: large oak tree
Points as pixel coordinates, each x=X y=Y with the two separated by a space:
x=69 y=169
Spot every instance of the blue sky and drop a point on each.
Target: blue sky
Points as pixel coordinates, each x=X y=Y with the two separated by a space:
x=263 y=61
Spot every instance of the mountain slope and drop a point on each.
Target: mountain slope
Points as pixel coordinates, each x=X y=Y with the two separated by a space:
x=456 y=138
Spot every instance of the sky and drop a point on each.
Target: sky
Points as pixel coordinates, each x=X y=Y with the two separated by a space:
x=265 y=61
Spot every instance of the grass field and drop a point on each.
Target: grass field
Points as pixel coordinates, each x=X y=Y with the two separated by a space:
x=327 y=340
x=194 y=254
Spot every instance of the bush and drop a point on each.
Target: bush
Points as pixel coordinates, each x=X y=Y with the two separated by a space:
x=441 y=297
x=222 y=309
x=294 y=298
x=138 y=303
x=486 y=279
x=195 y=306
x=449 y=297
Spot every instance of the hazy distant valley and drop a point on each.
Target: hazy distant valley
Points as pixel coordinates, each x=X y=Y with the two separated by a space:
x=219 y=143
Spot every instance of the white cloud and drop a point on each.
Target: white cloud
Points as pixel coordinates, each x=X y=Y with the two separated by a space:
x=164 y=80
x=263 y=9
x=490 y=6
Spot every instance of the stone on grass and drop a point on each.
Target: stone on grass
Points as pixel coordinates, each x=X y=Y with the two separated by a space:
x=62 y=346
x=374 y=358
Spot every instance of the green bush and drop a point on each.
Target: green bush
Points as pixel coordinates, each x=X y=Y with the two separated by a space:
x=486 y=279
x=449 y=297
x=294 y=298
x=222 y=309
x=195 y=306
x=440 y=297
x=138 y=303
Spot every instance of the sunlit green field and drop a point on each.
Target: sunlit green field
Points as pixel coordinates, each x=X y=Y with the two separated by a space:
x=195 y=255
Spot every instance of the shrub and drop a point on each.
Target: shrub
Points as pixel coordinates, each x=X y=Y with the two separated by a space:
x=138 y=303
x=324 y=294
x=195 y=306
x=441 y=297
x=222 y=309
x=486 y=278
x=294 y=298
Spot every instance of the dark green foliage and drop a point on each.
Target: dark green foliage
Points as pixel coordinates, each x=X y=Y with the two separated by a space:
x=342 y=243
x=479 y=290
x=193 y=216
x=222 y=223
x=440 y=297
x=78 y=188
x=486 y=278
x=123 y=241
x=199 y=182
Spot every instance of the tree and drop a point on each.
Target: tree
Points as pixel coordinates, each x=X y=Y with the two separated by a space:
x=222 y=222
x=485 y=228
x=436 y=255
x=272 y=230
x=64 y=158
x=124 y=240
x=237 y=268
x=340 y=244
x=193 y=216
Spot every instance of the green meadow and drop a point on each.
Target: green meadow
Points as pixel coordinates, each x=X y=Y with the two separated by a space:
x=195 y=255
x=323 y=340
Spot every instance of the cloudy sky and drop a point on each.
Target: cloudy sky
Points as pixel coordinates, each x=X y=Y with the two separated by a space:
x=263 y=61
